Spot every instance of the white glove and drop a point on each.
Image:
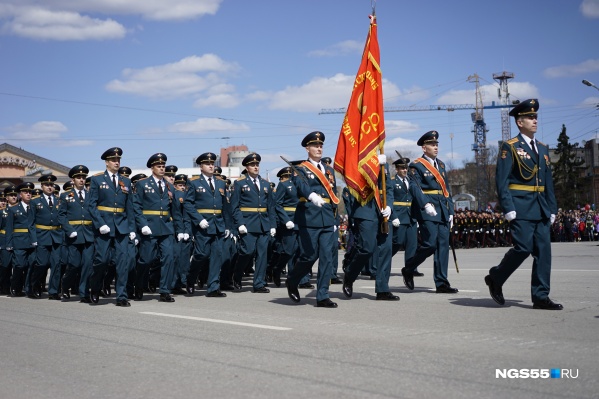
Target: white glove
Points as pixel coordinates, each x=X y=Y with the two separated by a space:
x=204 y=224
x=104 y=229
x=450 y=221
x=132 y=236
x=242 y=229
x=552 y=218
x=510 y=216
x=273 y=232
x=135 y=242
x=34 y=244
x=179 y=236
x=386 y=212
x=289 y=225
x=395 y=222
x=430 y=209
x=73 y=234
x=382 y=159
x=316 y=199
x=9 y=249
x=146 y=231
x=334 y=228
x=185 y=236
x=234 y=238
x=227 y=233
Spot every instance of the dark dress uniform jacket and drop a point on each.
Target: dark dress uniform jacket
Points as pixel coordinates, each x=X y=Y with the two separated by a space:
x=202 y=203
x=102 y=194
x=287 y=200
x=307 y=213
x=74 y=215
x=402 y=201
x=160 y=212
x=427 y=182
x=47 y=229
x=530 y=194
x=18 y=220
x=248 y=205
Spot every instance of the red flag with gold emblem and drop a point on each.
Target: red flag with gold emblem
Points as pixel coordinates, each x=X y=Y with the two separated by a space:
x=363 y=129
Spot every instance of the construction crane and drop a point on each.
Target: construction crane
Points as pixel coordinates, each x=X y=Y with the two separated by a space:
x=504 y=97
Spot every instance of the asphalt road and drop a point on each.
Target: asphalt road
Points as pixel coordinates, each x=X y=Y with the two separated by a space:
x=249 y=345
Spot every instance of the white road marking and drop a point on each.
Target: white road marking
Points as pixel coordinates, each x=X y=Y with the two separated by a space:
x=235 y=323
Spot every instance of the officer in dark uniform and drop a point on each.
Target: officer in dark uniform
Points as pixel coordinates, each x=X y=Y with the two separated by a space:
x=434 y=212
x=315 y=216
x=183 y=246
x=327 y=161
x=372 y=243
x=254 y=216
x=170 y=171
x=9 y=197
x=158 y=218
x=111 y=207
x=286 y=244
x=405 y=226
x=526 y=194
x=74 y=216
x=20 y=237
x=207 y=208
x=48 y=234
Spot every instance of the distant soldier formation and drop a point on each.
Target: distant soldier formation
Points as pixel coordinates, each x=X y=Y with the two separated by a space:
x=172 y=234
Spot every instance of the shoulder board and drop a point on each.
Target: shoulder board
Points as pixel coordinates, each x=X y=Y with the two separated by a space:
x=145 y=178
x=440 y=163
x=543 y=144
x=512 y=140
x=99 y=174
x=219 y=178
x=193 y=178
x=34 y=197
x=242 y=177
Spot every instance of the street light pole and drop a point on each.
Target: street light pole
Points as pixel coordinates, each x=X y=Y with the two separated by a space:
x=587 y=83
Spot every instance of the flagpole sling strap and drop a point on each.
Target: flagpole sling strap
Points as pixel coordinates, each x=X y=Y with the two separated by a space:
x=323 y=180
x=437 y=176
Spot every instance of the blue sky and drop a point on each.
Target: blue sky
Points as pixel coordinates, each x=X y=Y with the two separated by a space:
x=184 y=77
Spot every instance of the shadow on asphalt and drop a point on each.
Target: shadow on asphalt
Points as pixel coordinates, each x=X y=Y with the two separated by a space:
x=487 y=303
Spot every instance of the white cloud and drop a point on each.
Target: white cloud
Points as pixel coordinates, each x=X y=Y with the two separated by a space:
x=518 y=90
x=341 y=48
x=67 y=19
x=590 y=101
x=190 y=76
x=561 y=71
x=400 y=126
x=44 y=132
x=590 y=8
x=400 y=144
x=207 y=125
x=318 y=93
x=43 y=24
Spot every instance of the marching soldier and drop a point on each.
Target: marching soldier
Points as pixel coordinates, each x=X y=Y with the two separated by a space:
x=170 y=171
x=434 y=212
x=526 y=195
x=183 y=247
x=111 y=208
x=125 y=171
x=253 y=210
x=207 y=207
x=74 y=216
x=286 y=244
x=158 y=218
x=9 y=199
x=49 y=237
x=315 y=216
x=20 y=236
x=327 y=161
x=405 y=226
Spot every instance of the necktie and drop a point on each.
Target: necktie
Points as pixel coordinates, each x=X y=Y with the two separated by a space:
x=405 y=181
x=436 y=166
x=256 y=184
x=212 y=185
x=534 y=148
x=26 y=208
x=80 y=196
x=319 y=167
x=160 y=190
x=114 y=181
x=50 y=202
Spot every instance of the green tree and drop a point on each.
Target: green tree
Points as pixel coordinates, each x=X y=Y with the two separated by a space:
x=566 y=172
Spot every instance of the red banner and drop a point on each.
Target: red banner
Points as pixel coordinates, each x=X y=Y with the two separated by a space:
x=363 y=130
